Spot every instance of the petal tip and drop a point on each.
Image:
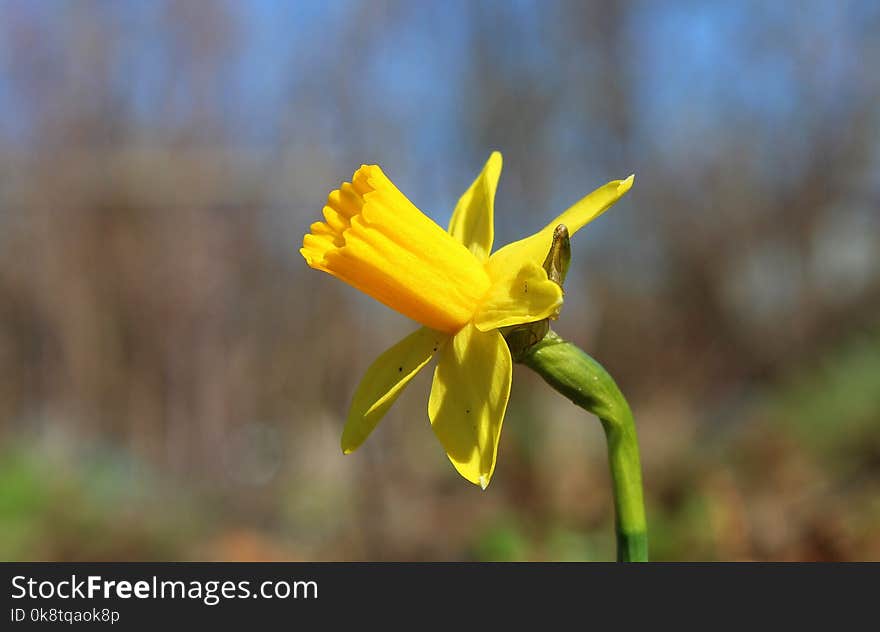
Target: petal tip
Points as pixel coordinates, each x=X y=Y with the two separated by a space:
x=347 y=445
x=626 y=185
x=484 y=481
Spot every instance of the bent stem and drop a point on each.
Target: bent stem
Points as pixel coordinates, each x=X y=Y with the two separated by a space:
x=586 y=383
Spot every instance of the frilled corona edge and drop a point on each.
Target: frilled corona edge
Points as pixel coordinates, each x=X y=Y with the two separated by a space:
x=375 y=239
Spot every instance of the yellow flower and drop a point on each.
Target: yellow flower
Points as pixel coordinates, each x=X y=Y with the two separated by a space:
x=375 y=239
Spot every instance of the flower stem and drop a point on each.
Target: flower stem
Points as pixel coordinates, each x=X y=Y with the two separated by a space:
x=583 y=380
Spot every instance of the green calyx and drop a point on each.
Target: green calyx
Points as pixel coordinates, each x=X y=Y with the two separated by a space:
x=577 y=376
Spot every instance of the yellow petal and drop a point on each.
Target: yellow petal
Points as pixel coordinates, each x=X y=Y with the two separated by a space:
x=509 y=259
x=472 y=222
x=468 y=399
x=375 y=239
x=525 y=296
x=385 y=380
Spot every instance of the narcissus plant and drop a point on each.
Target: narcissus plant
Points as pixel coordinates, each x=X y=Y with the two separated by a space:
x=450 y=282
x=480 y=311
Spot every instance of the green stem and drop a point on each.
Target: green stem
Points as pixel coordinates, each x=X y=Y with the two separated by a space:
x=583 y=380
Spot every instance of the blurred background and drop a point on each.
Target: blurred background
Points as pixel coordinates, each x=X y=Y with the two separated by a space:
x=174 y=379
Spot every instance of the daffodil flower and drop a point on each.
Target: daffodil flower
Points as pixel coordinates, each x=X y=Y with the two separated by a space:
x=376 y=240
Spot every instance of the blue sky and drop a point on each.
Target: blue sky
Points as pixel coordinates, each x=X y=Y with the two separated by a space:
x=695 y=73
